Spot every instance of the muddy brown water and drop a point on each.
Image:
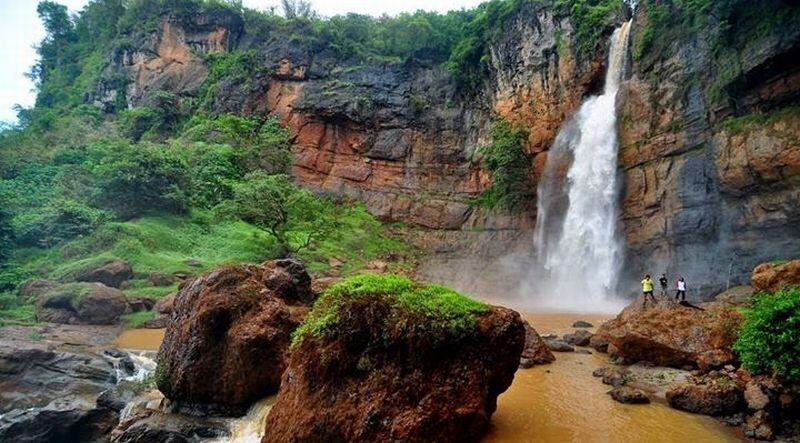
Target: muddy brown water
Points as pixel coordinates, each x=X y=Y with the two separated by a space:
x=560 y=402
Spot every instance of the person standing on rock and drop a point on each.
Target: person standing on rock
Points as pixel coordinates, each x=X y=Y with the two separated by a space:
x=647 y=290
x=663 y=281
x=681 y=287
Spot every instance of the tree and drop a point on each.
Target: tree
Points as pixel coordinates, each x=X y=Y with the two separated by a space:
x=293 y=216
x=297 y=9
x=6 y=233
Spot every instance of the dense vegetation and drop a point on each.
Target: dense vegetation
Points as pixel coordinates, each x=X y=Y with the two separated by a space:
x=505 y=158
x=441 y=313
x=729 y=27
x=769 y=341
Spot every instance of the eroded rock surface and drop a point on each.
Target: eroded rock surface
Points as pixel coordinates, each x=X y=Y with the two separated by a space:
x=228 y=336
x=771 y=277
x=411 y=389
x=81 y=303
x=536 y=351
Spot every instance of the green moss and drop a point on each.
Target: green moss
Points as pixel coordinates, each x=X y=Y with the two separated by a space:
x=161 y=377
x=736 y=125
x=75 y=293
x=433 y=310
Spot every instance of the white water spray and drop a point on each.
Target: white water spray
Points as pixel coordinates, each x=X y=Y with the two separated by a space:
x=576 y=232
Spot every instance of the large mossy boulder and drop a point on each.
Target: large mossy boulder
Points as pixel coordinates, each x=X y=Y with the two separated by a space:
x=81 y=303
x=227 y=340
x=668 y=333
x=381 y=358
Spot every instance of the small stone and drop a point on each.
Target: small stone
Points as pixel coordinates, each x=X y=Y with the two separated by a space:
x=578 y=338
x=755 y=397
x=760 y=426
x=628 y=395
x=582 y=324
x=558 y=346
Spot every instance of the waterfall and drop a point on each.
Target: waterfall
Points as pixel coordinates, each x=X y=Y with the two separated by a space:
x=578 y=250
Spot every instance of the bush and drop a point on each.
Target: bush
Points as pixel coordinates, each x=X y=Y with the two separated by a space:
x=214 y=174
x=6 y=232
x=131 y=179
x=507 y=161
x=769 y=342
x=56 y=222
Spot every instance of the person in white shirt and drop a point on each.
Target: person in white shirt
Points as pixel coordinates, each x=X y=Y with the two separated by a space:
x=681 y=287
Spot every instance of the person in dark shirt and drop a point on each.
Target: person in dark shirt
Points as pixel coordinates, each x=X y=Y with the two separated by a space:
x=663 y=281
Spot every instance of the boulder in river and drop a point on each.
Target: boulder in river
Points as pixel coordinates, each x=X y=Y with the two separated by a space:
x=667 y=333
x=628 y=395
x=227 y=340
x=81 y=303
x=557 y=345
x=536 y=351
x=580 y=337
x=712 y=394
x=582 y=324
x=381 y=358
x=113 y=274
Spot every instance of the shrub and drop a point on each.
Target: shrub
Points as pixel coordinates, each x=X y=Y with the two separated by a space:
x=131 y=179
x=769 y=342
x=213 y=174
x=507 y=161
x=6 y=232
x=56 y=222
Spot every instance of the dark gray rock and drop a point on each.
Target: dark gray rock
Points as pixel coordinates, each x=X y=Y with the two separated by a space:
x=582 y=324
x=112 y=274
x=558 y=345
x=578 y=338
x=154 y=426
x=629 y=395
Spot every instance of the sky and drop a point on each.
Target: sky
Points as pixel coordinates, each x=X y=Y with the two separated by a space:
x=20 y=31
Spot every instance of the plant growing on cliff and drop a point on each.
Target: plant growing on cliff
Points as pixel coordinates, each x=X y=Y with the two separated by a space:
x=505 y=158
x=769 y=342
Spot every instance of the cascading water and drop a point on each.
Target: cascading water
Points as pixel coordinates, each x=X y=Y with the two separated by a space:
x=576 y=237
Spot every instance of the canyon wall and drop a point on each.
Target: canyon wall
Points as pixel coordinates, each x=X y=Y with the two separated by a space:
x=701 y=198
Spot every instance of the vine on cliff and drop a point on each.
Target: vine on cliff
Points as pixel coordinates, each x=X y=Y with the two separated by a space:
x=507 y=161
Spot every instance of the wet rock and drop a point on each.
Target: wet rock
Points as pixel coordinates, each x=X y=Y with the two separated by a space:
x=344 y=387
x=155 y=426
x=111 y=274
x=670 y=334
x=232 y=325
x=31 y=374
x=157 y=322
x=771 y=277
x=760 y=425
x=713 y=394
x=535 y=351
x=582 y=324
x=558 y=345
x=82 y=303
x=579 y=338
x=612 y=375
x=599 y=342
x=629 y=395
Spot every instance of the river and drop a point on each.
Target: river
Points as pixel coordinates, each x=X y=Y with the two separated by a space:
x=559 y=402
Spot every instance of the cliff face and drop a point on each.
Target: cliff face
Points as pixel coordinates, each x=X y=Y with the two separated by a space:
x=707 y=194
x=701 y=198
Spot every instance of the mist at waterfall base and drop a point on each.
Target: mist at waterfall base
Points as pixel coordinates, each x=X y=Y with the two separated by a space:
x=578 y=252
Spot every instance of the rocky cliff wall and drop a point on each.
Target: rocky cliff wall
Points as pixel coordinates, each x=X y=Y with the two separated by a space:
x=702 y=197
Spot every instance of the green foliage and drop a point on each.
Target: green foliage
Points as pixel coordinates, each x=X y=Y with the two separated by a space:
x=56 y=222
x=138 y=319
x=590 y=19
x=131 y=179
x=159 y=118
x=6 y=232
x=430 y=310
x=292 y=215
x=507 y=161
x=14 y=312
x=769 y=342
x=736 y=125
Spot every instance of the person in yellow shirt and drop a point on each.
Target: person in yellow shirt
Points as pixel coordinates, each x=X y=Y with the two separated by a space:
x=647 y=290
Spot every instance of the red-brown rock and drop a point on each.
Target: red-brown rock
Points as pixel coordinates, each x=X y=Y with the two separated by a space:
x=669 y=334
x=410 y=389
x=228 y=337
x=714 y=394
x=81 y=303
x=771 y=277
x=536 y=351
